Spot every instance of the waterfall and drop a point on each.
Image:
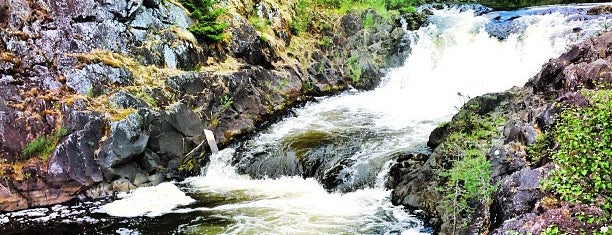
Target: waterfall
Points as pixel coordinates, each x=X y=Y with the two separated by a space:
x=354 y=137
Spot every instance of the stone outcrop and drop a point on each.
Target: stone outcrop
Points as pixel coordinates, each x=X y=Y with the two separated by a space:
x=518 y=204
x=135 y=89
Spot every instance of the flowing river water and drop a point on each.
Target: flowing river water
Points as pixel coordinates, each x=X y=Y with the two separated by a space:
x=461 y=53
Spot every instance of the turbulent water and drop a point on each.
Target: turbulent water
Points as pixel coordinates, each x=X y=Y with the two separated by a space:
x=459 y=54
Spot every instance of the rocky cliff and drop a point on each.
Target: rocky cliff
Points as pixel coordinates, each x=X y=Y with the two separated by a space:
x=530 y=160
x=103 y=96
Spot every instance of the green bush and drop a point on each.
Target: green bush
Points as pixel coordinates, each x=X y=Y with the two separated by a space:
x=584 y=158
x=206 y=26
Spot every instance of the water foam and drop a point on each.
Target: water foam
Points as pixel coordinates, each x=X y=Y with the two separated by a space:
x=148 y=201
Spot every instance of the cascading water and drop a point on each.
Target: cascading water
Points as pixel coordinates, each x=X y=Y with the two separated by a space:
x=350 y=140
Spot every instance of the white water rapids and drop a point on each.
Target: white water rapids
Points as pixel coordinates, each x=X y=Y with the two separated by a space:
x=453 y=54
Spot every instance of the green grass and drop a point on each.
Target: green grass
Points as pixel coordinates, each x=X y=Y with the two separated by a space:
x=584 y=158
x=43 y=146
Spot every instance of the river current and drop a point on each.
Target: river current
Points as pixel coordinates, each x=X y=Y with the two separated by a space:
x=460 y=53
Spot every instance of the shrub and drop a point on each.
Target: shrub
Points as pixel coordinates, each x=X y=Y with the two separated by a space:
x=469 y=176
x=584 y=158
x=206 y=26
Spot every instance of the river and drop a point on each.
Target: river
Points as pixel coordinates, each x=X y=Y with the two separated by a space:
x=461 y=53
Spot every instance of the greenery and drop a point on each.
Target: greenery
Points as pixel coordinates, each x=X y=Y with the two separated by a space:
x=227 y=101
x=206 y=26
x=368 y=21
x=43 y=146
x=469 y=177
x=584 y=158
x=260 y=24
x=355 y=69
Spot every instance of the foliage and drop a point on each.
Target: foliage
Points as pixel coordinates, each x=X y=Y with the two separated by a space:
x=541 y=148
x=206 y=26
x=551 y=230
x=325 y=41
x=468 y=179
x=302 y=19
x=43 y=146
x=227 y=101
x=355 y=69
x=584 y=158
x=368 y=21
x=260 y=24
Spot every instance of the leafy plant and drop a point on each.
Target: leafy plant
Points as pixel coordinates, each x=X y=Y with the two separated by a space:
x=206 y=26
x=43 y=146
x=227 y=101
x=584 y=158
x=355 y=70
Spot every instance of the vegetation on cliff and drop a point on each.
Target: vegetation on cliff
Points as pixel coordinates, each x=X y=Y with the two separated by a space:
x=584 y=160
x=205 y=13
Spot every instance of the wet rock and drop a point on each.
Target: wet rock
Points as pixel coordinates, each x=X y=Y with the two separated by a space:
x=600 y=10
x=184 y=120
x=151 y=3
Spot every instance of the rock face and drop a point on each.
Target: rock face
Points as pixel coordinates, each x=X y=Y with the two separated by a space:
x=135 y=89
x=518 y=204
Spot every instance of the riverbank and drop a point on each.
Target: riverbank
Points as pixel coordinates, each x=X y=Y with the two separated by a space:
x=529 y=160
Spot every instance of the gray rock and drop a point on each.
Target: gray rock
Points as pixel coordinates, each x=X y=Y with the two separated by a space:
x=150 y=162
x=247 y=45
x=123 y=100
x=189 y=83
x=169 y=57
x=73 y=160
x=91 y=77
x=122 y=8
x=126 y=141
x=184 y=120
x=146 y=19
x=174 y=15
x=518 y=194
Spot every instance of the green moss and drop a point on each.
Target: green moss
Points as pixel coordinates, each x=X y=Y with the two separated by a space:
x=206 y=27
x=43 y=146
x=584 y=158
